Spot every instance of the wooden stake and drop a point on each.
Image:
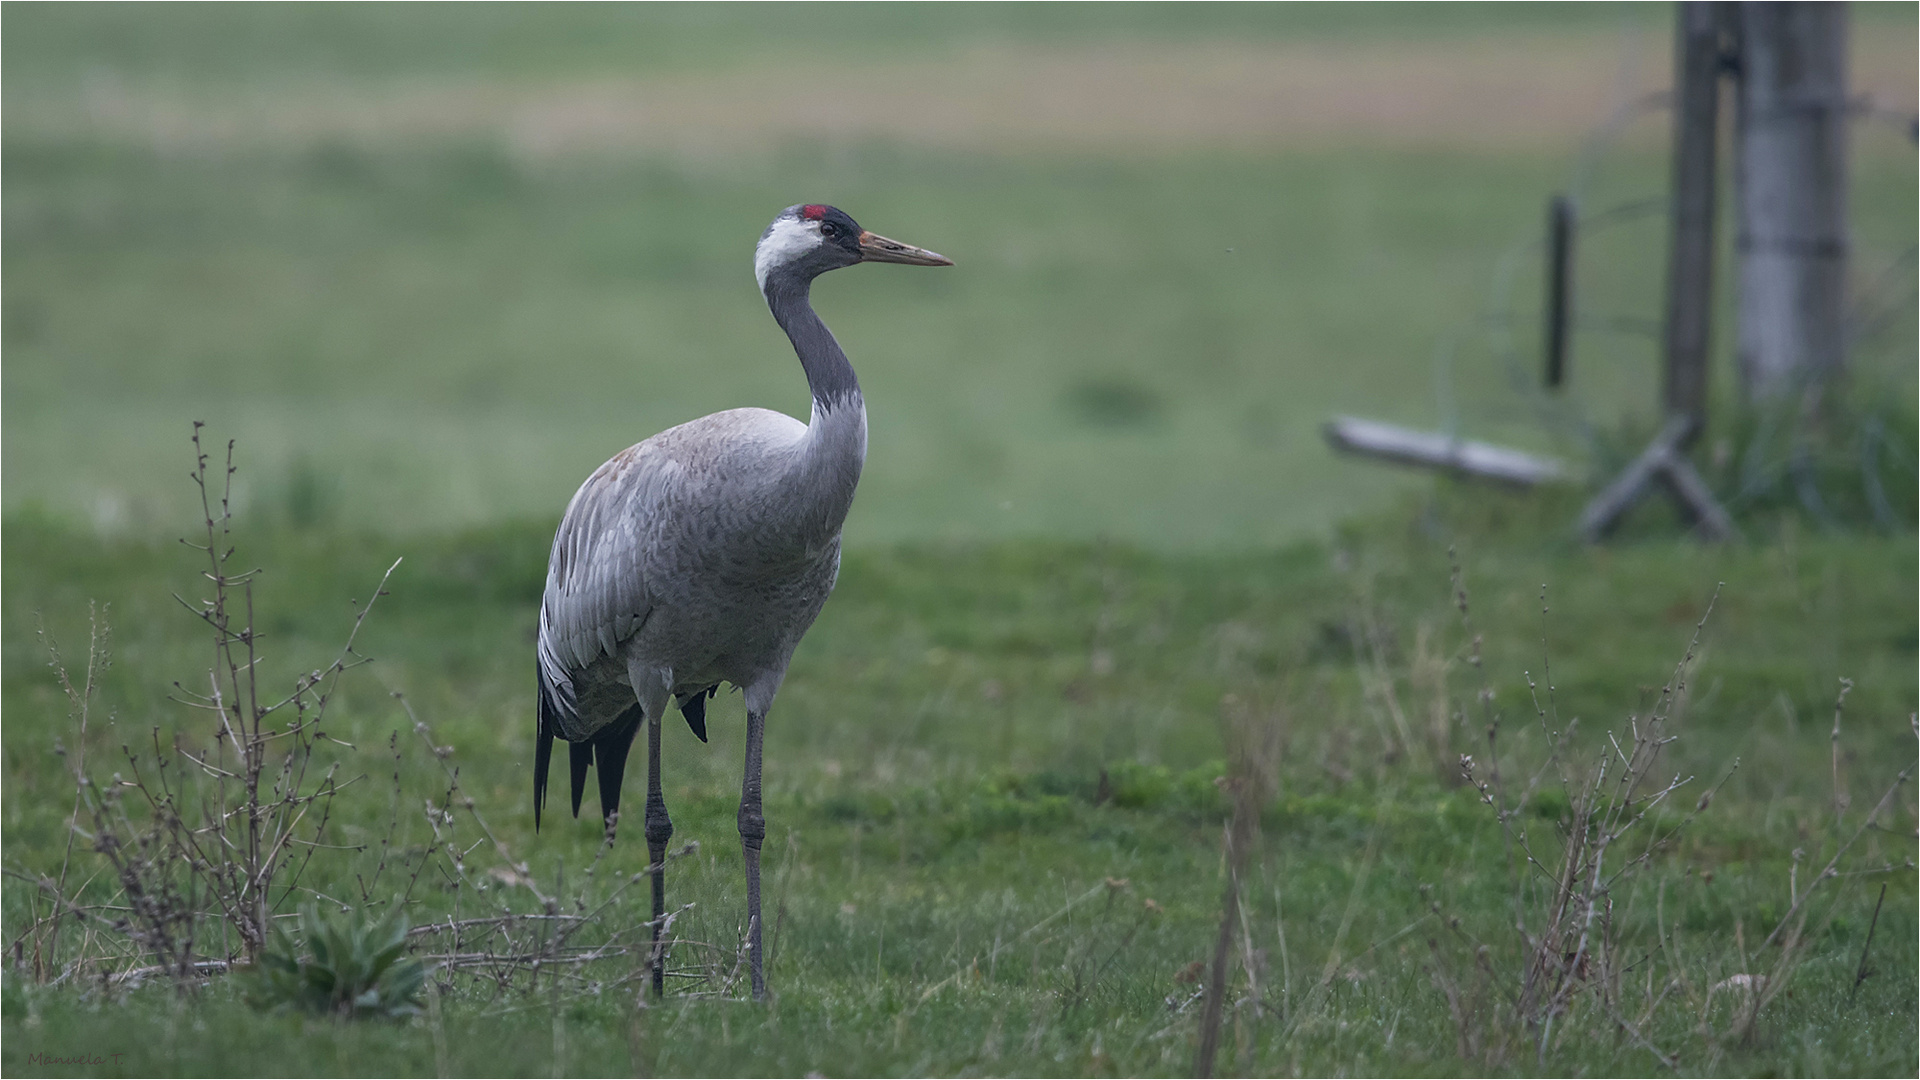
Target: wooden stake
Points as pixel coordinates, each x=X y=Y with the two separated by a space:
x=1663 y=462
x=1435 y=450
x=1559 y=286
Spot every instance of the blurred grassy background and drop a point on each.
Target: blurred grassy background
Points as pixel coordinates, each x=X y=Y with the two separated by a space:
x=432 y=265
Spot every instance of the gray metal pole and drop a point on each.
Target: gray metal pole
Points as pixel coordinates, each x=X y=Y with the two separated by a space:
x=1792 y=196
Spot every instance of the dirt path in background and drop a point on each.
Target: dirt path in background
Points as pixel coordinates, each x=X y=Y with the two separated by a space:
x=1542 y=92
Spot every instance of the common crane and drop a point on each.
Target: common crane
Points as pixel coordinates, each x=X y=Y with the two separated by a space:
x=701 y=556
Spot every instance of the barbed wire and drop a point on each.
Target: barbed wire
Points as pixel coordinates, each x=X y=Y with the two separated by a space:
x=1776 y=446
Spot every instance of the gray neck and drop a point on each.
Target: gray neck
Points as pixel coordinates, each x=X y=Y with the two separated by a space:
x=836 y=445
x=829 y=375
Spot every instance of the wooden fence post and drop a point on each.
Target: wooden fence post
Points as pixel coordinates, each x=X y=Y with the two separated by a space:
x=1696 y=109
x=1696 y=113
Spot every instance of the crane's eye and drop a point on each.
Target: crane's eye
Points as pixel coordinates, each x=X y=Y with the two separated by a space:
x=829 y=229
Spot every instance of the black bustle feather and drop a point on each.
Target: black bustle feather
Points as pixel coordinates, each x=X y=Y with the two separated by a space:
x=610 y=749
x=694 y=708
x=542 y=761
x=543 y=742
x=579 y=758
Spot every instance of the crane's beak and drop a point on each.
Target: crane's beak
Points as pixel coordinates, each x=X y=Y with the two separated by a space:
x=876 y=248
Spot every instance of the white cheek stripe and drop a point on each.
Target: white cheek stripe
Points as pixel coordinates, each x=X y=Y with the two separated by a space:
x=787 y=239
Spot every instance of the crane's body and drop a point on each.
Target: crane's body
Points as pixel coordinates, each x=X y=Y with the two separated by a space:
x=702 y=555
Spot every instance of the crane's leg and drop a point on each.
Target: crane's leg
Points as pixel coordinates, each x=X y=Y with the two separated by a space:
x=753 y=830
x=659 y=831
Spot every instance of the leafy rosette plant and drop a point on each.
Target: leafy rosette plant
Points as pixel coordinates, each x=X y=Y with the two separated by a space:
x=356 y=968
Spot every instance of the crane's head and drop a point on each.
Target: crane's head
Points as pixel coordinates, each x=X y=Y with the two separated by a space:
x=809 y=240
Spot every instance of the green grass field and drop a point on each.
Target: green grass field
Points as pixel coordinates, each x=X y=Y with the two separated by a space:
x=933 y=786
x=429 y=266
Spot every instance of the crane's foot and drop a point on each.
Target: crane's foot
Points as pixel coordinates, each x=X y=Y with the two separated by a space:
x=753 y=951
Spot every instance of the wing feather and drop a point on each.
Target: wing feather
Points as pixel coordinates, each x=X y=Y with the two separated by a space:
x=597 y=594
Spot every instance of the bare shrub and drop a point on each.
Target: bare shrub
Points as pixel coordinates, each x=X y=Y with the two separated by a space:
x=1254 y=737
x=205 y=843
x=208 y=843
x=1574 y=960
